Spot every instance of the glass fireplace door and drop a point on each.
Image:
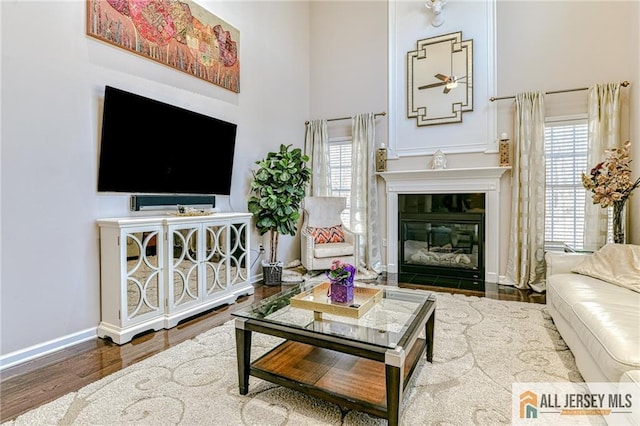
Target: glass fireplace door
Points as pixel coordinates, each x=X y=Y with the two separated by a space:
x=442 y=249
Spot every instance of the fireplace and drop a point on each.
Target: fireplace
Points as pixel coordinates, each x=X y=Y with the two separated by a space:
x=441 y=240
x=453 y=182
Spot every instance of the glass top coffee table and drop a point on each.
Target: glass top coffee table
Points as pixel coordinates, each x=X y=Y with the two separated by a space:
x=364 y=363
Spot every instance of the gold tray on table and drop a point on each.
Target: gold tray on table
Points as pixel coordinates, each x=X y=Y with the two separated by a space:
x=316 y=300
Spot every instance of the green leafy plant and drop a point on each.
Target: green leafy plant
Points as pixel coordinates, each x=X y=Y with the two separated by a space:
x=278 y=187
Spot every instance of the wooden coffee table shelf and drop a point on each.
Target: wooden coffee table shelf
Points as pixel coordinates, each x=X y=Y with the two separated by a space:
x=355 y=363
x=305 y=367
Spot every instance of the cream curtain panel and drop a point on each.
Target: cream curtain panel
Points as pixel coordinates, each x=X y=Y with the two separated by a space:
x=364 y=192
x=316 y=146
x=604 y=133
x=525 y=265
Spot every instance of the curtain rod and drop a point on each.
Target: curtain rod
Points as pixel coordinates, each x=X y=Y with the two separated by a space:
x=347 y=118
x=493 y=98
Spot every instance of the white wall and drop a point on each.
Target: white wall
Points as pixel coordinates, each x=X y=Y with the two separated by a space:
x=540 y=46
x=53 y=79
x=577 y=44
x=348 y=61
x=409 y=22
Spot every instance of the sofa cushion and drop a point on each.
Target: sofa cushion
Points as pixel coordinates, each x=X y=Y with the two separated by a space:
x=332 y=250
x=330 y=234
x=615 y=328
x=617 y=264
x=604 y=316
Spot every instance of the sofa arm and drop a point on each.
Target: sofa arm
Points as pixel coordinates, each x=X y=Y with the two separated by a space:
x=562 y=263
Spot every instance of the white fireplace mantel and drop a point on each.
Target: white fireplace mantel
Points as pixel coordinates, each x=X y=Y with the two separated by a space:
x=448 y=181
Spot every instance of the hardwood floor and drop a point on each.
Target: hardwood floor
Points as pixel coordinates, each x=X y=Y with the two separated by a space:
x=37 y=382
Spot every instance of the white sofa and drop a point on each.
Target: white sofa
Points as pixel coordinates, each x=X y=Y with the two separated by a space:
x=599 y=321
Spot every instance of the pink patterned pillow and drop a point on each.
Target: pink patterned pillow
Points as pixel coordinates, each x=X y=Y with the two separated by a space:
x=332 y=234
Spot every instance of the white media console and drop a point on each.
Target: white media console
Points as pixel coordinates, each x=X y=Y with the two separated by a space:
x=157 y=271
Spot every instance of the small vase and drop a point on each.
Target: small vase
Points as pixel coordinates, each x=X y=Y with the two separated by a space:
x=341 y=291
x=618 y=222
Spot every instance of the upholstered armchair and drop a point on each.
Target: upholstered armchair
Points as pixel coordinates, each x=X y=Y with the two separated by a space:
x=323 y=236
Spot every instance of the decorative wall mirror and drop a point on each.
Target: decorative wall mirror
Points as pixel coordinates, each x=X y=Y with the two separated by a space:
x=440 y=79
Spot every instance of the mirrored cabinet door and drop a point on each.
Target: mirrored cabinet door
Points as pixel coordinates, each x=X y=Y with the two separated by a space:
x=143 y=276
x=238 y=250
x=216 y=258
x=184 y=272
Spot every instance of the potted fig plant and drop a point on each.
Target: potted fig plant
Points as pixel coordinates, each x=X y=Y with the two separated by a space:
x=278 y=187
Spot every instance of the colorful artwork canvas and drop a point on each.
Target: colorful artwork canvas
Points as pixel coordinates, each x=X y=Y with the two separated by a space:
x=177 y=33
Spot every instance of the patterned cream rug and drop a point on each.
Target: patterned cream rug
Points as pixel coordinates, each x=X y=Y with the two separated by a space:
x=294 y=273
x=481 y=347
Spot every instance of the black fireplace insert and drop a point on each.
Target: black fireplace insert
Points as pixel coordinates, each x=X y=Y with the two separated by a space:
x=443 y=248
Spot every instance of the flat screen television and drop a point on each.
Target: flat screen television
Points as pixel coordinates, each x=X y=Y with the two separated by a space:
x=151 y=147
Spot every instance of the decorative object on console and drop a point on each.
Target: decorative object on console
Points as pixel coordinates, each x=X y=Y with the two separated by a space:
x=436 y=7
x=341 y=277
x=381 y=158
x=611 y=184
x=278 y=187
x=439 y=161
x=212 y=50
x=440 y=79
x=190 y=211
x=504 y=150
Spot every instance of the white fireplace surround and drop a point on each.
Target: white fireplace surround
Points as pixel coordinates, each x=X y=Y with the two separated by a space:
x=484 y=180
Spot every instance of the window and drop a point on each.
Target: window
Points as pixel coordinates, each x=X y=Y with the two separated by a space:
x=340 y=165
x=566 y=159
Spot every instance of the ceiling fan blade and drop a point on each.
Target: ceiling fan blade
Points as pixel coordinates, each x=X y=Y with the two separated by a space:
x=443 y=77
x=429 y=86
x=446 y=90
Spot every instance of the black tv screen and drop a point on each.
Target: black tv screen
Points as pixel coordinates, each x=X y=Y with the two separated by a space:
x=152 y=147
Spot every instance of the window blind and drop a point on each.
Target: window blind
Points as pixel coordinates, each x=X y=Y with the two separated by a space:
x=566 y=159
x=340 y=166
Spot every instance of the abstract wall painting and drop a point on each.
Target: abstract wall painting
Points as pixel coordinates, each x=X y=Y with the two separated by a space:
x=177 y=33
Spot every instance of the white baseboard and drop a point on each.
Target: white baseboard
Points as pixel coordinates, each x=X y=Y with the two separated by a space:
x=503 y=280
x=36 y=351
x=42 y=349
x=256 y=278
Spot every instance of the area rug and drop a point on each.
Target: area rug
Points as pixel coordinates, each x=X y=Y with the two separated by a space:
x=481 y=347
x=294 y=273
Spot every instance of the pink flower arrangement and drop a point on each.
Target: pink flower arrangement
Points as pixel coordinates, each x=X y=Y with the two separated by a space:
x=610 y=181
x=341 y=272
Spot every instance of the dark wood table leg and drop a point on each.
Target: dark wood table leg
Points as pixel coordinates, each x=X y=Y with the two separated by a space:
x=394 y=385
x=243 y=351
x=429 y=333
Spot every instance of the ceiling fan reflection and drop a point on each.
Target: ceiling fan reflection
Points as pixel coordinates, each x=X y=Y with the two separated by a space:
x=448 y=81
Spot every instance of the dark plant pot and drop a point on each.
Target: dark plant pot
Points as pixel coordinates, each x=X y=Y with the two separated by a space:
x=272 y=273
